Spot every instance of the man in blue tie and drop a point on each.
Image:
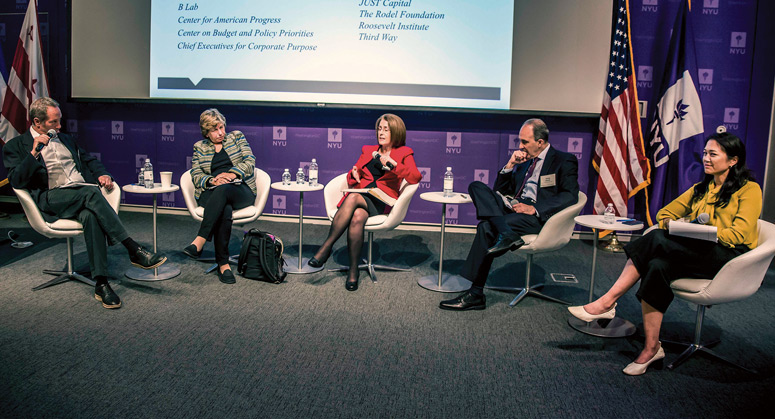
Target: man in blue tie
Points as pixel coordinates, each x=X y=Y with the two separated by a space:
x=536 y=183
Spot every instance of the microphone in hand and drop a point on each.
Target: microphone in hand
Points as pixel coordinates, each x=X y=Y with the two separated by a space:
x=701 y=219
x=52 y=133
x=386 y=166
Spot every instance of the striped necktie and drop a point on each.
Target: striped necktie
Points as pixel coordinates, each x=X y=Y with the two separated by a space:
x=527 y=176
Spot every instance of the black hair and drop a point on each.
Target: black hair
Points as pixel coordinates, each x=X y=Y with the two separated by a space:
x=738 y=175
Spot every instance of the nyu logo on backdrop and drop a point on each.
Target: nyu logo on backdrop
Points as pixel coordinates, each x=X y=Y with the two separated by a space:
x=334 y=138
x=97 y=156
x=140 y=160
x=706 y=79
x=278 y=136
x=452 y=212
x=168 y=131
x=305 y=167
x=2 y=31
x=482 y=175
x=710 y=7
x=650 y=5
x=645 y=76
x=278 y=204
x=72 y=126
x=425 y=182
x=513 y=143
x=188 y=162
x=454 y=142
x=731 y=118
x=117 y=130
x=576 y=146
x=737 y=43
x=168 y=199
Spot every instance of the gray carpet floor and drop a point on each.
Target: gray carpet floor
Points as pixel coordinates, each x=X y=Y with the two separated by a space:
x=193 y=347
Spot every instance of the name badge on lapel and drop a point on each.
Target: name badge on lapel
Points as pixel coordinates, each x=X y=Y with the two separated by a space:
x=548 y=180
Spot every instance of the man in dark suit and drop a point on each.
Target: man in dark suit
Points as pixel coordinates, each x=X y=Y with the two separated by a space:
x=536 y=183
x=64 y=180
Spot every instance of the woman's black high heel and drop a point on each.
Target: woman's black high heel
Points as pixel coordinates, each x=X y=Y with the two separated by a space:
x=352 y=283
x=318 y=263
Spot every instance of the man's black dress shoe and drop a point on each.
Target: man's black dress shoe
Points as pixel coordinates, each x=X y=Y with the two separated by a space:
x=191 y=251
x=104 y=294
x=227 y=276
x=146 y=259
x=504 y=244
x=465 y=301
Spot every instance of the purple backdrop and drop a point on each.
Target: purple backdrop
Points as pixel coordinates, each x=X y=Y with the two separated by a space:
x=474 y=144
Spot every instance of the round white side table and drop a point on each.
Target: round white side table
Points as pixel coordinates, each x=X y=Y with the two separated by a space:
x=298 y=265
x=168 y=270
x=616 y=327
x=444 y=282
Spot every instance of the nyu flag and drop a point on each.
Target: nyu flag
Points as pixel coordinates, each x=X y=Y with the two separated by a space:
x=676 y=137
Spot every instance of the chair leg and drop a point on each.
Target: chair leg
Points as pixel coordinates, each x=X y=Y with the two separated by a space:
x=369 y=266
x=528 y=289
x=67 y=275
x=697 y=346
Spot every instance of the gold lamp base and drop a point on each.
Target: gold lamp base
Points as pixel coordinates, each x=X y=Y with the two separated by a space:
x=613 y=245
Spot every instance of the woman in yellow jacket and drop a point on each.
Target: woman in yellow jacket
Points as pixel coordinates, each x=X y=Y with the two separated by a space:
x=733 y=202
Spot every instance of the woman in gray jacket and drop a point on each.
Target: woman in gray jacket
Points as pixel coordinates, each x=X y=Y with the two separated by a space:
x=222 y=172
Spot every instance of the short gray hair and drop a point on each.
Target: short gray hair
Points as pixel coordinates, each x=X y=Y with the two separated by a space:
x=540 y=131
x=39 y=108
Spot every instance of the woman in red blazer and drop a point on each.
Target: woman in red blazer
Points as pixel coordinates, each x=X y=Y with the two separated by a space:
x=383 y=166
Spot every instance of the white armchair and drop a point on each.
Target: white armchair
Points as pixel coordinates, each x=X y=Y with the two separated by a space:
x=61 y=228
x=239 y=217
x=555 y=233
x=738 y=279
x=332 y=194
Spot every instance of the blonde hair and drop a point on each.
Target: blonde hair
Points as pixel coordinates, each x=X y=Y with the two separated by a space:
x=397 y=129
x=209 y=120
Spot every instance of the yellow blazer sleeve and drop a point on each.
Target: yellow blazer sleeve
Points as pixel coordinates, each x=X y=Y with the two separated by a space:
x=744 y=227
x=679 y=208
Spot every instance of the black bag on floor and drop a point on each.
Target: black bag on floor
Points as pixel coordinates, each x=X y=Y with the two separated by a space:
x=261 y=257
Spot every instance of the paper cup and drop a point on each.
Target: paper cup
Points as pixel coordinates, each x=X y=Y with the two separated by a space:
x=166 y=179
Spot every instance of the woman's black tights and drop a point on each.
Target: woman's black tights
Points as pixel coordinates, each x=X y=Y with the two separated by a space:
x=352 y=216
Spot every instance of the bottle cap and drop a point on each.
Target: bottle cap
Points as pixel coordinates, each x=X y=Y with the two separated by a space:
x=449 y=169
x=314 y=161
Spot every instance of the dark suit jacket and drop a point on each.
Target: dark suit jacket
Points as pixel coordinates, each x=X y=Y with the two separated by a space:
x=27 y=172
x=549 y=199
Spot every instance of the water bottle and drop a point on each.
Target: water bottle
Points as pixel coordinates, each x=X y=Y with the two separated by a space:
x=609 y=215
x=140 y=175
x=287 y=177
x=300 y=176
x=313 y=173
x=448 y=183
x=148 y=174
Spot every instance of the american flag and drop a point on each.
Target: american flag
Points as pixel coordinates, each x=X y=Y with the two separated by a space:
x=620 y=156
x=26 y=79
